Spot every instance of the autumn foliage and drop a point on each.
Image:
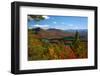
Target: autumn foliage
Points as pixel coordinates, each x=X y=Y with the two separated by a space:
x=39 y=49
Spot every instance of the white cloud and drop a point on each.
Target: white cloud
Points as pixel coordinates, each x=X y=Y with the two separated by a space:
x=46 y=17
x=70 y=25
x=36 y=25
x=54 y=22
x=30 y=27
x=63 y=23
x=76 y=27
x=42 y=26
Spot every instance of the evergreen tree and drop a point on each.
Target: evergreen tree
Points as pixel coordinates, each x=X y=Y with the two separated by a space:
x=76 y=44
x=76 y=40
x=36 y=18
x=77 y=35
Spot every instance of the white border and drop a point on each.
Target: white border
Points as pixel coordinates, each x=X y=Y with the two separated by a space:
x=26 y=65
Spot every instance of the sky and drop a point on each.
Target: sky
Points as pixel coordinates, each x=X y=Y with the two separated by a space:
x=59 y=22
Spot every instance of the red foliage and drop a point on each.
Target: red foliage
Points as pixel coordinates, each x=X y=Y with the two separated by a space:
x=70 y=53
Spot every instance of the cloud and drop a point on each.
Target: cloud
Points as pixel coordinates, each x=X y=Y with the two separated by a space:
x=63 y=23
x=46 y=17
x=76 y=27
x=54 y=22
x=70 y=25
x=42 y=26
x=30 y=27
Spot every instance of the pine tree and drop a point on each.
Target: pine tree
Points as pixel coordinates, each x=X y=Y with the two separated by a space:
x=76 y=40
x=76 y=43
x=77 y=35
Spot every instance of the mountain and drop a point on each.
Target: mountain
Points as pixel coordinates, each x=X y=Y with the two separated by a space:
x=51 y=33
x=57 y=33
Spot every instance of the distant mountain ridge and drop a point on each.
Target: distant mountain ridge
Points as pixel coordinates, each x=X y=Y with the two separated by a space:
x=57 y=33
x=51 y=33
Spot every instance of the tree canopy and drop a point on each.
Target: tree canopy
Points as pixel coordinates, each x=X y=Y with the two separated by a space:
x=37 y=18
